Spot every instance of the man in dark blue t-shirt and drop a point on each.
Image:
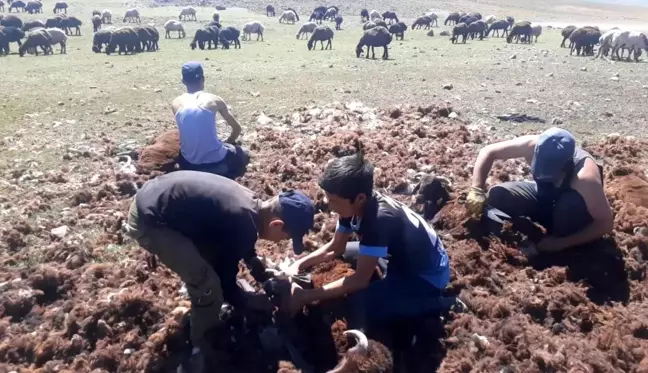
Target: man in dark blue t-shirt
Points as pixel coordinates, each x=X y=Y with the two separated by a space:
x=391 y=235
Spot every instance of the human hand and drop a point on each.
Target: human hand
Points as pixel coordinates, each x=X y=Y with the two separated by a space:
x=550 y=244
x=475 y=201
x=293 y=269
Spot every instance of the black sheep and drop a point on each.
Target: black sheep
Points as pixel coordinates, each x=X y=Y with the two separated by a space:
x=566 y=32
x=34 y=7
x=54 y=22
x=462 y=30
x=32 y=24
x=338 y=22
x=230 y=35
x=204 y=35
x=390 y=17
x=68 y=23
x=13 y=35
x=18 y=5
x=452 y=19
x=398 y=29
x=321 y=34
x=422 y=21
x=317 y=17
x=520 y=30
x=100 y=38
x=125 y=38
x=270 y=11
x=364 y=15
x=477 y=29
x=11 y=21
x=497 y=26
x=375 y=37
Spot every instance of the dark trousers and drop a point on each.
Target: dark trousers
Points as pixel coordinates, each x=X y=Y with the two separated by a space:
x=520 y=198
x=231 y=167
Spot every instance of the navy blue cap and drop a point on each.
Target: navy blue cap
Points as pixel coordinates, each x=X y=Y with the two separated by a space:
x=192 y=72
x=298 y=215
x=555 y=148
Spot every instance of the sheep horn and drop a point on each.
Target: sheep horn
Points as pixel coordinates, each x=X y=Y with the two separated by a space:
x=362 y=341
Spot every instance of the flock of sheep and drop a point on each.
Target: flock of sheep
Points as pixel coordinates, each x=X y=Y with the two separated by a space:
x=379 y=30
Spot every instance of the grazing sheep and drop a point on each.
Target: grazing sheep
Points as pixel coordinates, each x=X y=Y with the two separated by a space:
x=216 y=17
x=373 y=15
x=69 y=23
x=29 y=25
x=605 y=42
x=398 y=29
x=188 y=13
x=125 y=38
x=583 y=39
x=365 y=356
x=536 y=31
x=462 y=30
x=520 y=30
x=37 y=38
x=422 y=21
x=146 y=37
x=321 y=34
x=58 y=37
x=155 y=38
x=294 y=11
x=477 y=28
x=467 y=19
x=306 y=29
x=375 y=37
x=331 y=13
x=315 y=16
x=100 y=38
x=34 y=7
x=434 y=18
x=566 y=32
x=338 y=22
x=230 y=35
x=173 y=25
x=54 y=22
x=11 y=21
x=133 y=16
x=511 y=21
x=390 y=17
x=60 y=7
x=288 y=16
x=633 y=41
x=476 y=15
x=96 y=23
x=106 y=16
x=452 y=19
x=12 y=35
x=497 y=26
x=270 y=11
x=322 y=9
x=18 y=5
x=490 y=19
x=253 y=27
x=204 y=35
x=364 y=15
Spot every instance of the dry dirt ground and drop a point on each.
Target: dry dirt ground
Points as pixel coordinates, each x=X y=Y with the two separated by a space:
x=76 y=296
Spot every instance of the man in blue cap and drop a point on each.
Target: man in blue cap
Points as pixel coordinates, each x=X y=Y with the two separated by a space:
x=195 y=113
x=566 y=196
x=201 y=225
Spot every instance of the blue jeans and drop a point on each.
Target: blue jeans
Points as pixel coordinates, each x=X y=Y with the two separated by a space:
x=231 y=167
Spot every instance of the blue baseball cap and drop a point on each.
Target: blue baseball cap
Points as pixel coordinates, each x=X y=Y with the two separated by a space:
x=298 y=215
x=554 y=149
x=192 y=72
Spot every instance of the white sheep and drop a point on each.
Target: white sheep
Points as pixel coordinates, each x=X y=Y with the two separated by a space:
x=188 y=13
x=634 y=41
x=536 y=31
x=58 y=37
x=306 y=29
x=374 y=15
x=490 y=19
x=132 y=15
x=173 y=25
x=106 y=16
x=287 y=16
x=330 y=13
x=606 y=42
x=254 y=27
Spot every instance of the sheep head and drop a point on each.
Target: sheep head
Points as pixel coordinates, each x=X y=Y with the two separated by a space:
x=366 y=356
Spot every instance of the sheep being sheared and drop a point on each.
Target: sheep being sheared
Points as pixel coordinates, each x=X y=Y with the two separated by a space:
x=366 y=356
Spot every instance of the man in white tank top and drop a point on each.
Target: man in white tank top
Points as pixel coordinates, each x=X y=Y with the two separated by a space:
x=195 y=113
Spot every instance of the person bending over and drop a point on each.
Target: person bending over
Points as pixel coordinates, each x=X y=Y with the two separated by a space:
x=566 y=195
x=195 y=113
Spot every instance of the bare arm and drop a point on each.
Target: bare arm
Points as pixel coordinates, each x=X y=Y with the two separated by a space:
x=520 y=147
x=222 y=109
x=325 y=253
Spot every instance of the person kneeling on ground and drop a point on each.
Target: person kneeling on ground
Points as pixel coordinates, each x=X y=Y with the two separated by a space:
x=417 y=270
x=566 y=196
x=200 y=225
x=195 y=113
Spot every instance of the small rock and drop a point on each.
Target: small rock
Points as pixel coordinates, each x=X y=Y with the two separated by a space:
x=556 y=121
x=60 y=103
x=608 y=114
x=128 y=351
x=617 y=75
x=330 y=66
x=550 y=74
x=61 y=231
x=518 y=84
x=255 y=94
x=614 y=78
x=453 y=115
x=448 y=86
x=157 y=90
x=430 y=33
x=444 y=33
x=513 y=57
x=583 y=68
x=531 y=101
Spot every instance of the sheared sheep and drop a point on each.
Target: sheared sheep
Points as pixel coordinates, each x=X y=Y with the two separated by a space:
x=374 y=14
x=452 y=19
x=317 y=17
x=477 y=29
x=216 y=17
x=11 y=21
x=125 y=38
x=605 y=42
x=96 y=23
x=536 y=31
x=365 y=356
x=29 y=25
x=375 y=37
x=398 y=30
x=173 y=25
x=288 y=16
x=634 y=41
x=100 y=38
x=331 y=13
x=338 y=22
x=583 y=39
x=434 y=17
x=462 y=30
x=106 y=16
x=230 y=35
x=270 y=11
x=253 y=27
x=37 y=38
x=34 y=7
x=497 y=26
x=18 y=5
x=390 y=17
x=422 y=21
x=132 y=15
x=364 y=15
x=60 y=7
x=321 y=34
x=58 y=37
x=69 y=23
x=490 y=19
x=520 y=30
x=294 y=11
x=566 y=32
x=306 y=29
x=204 y=35
x=188 y=13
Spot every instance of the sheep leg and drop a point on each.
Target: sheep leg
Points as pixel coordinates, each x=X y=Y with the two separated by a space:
x=385 y=53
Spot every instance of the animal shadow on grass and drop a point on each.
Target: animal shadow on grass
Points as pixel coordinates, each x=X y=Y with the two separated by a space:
x=599 y=264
